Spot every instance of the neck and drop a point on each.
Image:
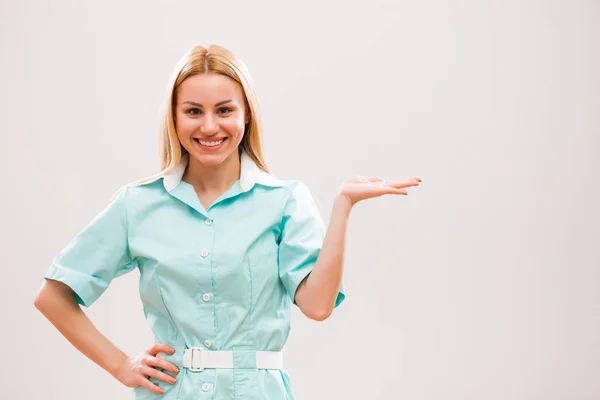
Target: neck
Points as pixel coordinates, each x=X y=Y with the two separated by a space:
x=213 y=179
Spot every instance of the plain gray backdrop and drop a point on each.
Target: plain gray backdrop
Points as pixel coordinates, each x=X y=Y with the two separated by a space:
x=482 y=283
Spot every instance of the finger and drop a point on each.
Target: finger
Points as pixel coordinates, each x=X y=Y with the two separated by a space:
x=155 y=373
x=159 y=347
x=397 y=191
x=162 y=363
x=402 y=184
x=383 y=190
x=151 y=386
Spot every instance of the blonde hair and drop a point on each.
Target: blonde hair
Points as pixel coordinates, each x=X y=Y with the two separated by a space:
x=203 y=60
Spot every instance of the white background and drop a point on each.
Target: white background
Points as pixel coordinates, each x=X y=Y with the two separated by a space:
x=483 y=283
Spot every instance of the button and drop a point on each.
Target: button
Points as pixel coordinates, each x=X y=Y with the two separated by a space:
x=207 y=343
x=206 y=297
x=204 y=253
x=206 y=387
x=208 y=221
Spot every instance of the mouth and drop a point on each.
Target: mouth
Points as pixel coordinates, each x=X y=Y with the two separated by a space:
x=212 y=144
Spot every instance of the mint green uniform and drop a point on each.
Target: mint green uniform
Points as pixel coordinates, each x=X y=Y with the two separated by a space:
x=221 y=279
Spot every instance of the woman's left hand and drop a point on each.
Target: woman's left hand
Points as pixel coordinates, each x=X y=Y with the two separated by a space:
x=361 y=188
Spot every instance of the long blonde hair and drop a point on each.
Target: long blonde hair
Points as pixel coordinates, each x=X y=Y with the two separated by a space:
x=203 y=60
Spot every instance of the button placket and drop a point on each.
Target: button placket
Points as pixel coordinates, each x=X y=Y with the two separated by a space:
x=207 y=296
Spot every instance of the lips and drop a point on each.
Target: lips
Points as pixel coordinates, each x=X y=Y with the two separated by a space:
x=211 y=141
x=210 y=148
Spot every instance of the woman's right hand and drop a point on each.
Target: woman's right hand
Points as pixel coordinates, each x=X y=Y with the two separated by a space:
x=134 y=372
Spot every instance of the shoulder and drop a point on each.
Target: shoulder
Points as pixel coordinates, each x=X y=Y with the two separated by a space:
x=146 y=185
x=297 y=193
x=291 y=187
x=294 y=193
x=142 y=189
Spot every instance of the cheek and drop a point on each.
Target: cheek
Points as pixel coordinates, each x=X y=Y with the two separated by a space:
x=237 y=125
x=185 y=126
x=233 y=126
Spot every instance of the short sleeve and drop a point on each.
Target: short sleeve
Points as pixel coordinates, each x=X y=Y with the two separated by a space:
x=301 y=240
x=97 y=255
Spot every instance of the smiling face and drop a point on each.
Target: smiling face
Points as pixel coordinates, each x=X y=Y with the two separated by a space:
x=210 y=117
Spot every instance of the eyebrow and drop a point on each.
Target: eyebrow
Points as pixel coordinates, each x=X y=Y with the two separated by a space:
x=200 y=105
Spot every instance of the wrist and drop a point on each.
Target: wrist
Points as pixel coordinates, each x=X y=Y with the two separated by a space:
x=343 y=202
x=116 y=364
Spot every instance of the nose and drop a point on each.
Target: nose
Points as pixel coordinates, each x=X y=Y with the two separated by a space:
x=208 y=125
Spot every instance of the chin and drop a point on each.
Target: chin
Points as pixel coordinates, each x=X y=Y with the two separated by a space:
x=212 y=159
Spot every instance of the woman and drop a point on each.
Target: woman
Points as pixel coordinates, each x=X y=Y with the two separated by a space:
x=223 y=248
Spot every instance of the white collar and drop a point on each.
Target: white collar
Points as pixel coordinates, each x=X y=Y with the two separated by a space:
x=250 y=174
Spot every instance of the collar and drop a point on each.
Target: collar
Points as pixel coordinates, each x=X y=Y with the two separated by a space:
x=250 y=174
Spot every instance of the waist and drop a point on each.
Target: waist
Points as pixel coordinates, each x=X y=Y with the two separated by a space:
x=196 y=359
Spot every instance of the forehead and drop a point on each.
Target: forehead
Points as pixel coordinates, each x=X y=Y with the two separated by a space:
x=209 y=89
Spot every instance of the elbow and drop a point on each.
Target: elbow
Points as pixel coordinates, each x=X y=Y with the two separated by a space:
x=39 y=304
x=319 y=315
x=50 y=294
x=37 y=301
x=41 y=297
x=40 y=301
x=317 y=309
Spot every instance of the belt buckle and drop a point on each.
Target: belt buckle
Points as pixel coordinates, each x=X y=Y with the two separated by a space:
x=196 y=359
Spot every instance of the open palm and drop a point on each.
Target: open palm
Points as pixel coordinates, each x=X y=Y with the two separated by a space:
x=361 y=187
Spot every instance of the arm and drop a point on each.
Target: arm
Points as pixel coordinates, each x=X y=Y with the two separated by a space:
x=79 y=275
x=317 y=293
x=56 y=301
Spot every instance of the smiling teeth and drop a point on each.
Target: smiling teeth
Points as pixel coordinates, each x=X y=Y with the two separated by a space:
x=210 y=144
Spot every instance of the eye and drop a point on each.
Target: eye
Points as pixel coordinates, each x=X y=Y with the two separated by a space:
x=197 y=111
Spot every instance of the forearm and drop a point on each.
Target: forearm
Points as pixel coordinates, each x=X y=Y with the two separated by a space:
x=317 y=295
x=57 y=303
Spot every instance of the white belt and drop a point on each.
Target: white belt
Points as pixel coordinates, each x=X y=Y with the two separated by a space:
x=198 y=358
